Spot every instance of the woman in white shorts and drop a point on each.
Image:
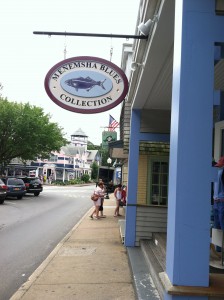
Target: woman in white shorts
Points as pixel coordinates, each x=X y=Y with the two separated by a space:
x=100 y=192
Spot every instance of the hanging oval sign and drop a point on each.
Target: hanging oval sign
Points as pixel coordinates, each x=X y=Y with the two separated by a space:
x=86 y=84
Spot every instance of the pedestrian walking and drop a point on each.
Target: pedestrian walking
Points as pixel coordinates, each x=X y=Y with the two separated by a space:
x=99 y=191
x=118 y=197
x=50 y=179
x=123 y=195
x=102 y=201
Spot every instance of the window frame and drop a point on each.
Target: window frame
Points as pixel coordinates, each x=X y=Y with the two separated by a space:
x=151 y=161
x=219 y=140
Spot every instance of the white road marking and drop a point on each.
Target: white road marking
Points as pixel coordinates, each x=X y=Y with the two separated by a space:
x=9 y=202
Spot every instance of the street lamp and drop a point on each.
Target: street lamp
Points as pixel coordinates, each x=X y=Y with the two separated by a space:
x=109 y=161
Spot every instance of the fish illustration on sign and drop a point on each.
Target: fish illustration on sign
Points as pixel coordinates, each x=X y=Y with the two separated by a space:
x=84 y=83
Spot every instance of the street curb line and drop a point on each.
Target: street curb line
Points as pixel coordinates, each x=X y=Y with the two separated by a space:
x=33 y=277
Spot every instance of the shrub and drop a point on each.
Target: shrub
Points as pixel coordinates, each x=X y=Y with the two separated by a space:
x=75 y=181
x=85 y=178
x=59 y=182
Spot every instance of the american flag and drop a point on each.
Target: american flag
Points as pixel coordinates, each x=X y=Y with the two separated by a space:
x=113 y=124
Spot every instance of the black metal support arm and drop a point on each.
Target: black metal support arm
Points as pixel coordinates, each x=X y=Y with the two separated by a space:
x=125 y=36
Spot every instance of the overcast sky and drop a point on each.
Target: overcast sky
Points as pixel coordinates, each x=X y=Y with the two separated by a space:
x=26 y=58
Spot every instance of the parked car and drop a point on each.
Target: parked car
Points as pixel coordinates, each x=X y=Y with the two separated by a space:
x=15 y=187
x=33 y=185
x=3 y=191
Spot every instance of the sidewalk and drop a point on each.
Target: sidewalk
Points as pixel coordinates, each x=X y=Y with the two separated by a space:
x=89 y=263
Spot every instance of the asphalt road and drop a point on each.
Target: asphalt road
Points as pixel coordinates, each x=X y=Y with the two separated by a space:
x=31 y=228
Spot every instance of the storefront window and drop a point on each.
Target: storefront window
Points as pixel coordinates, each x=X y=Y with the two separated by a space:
x=158 y=181
x=222 y=143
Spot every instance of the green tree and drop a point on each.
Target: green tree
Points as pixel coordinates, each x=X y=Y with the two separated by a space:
x=91 y=146
x=104 y=153
x=26 y=132
x=94 y=173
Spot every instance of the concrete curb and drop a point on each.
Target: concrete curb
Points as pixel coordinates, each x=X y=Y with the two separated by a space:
x=25 y=286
